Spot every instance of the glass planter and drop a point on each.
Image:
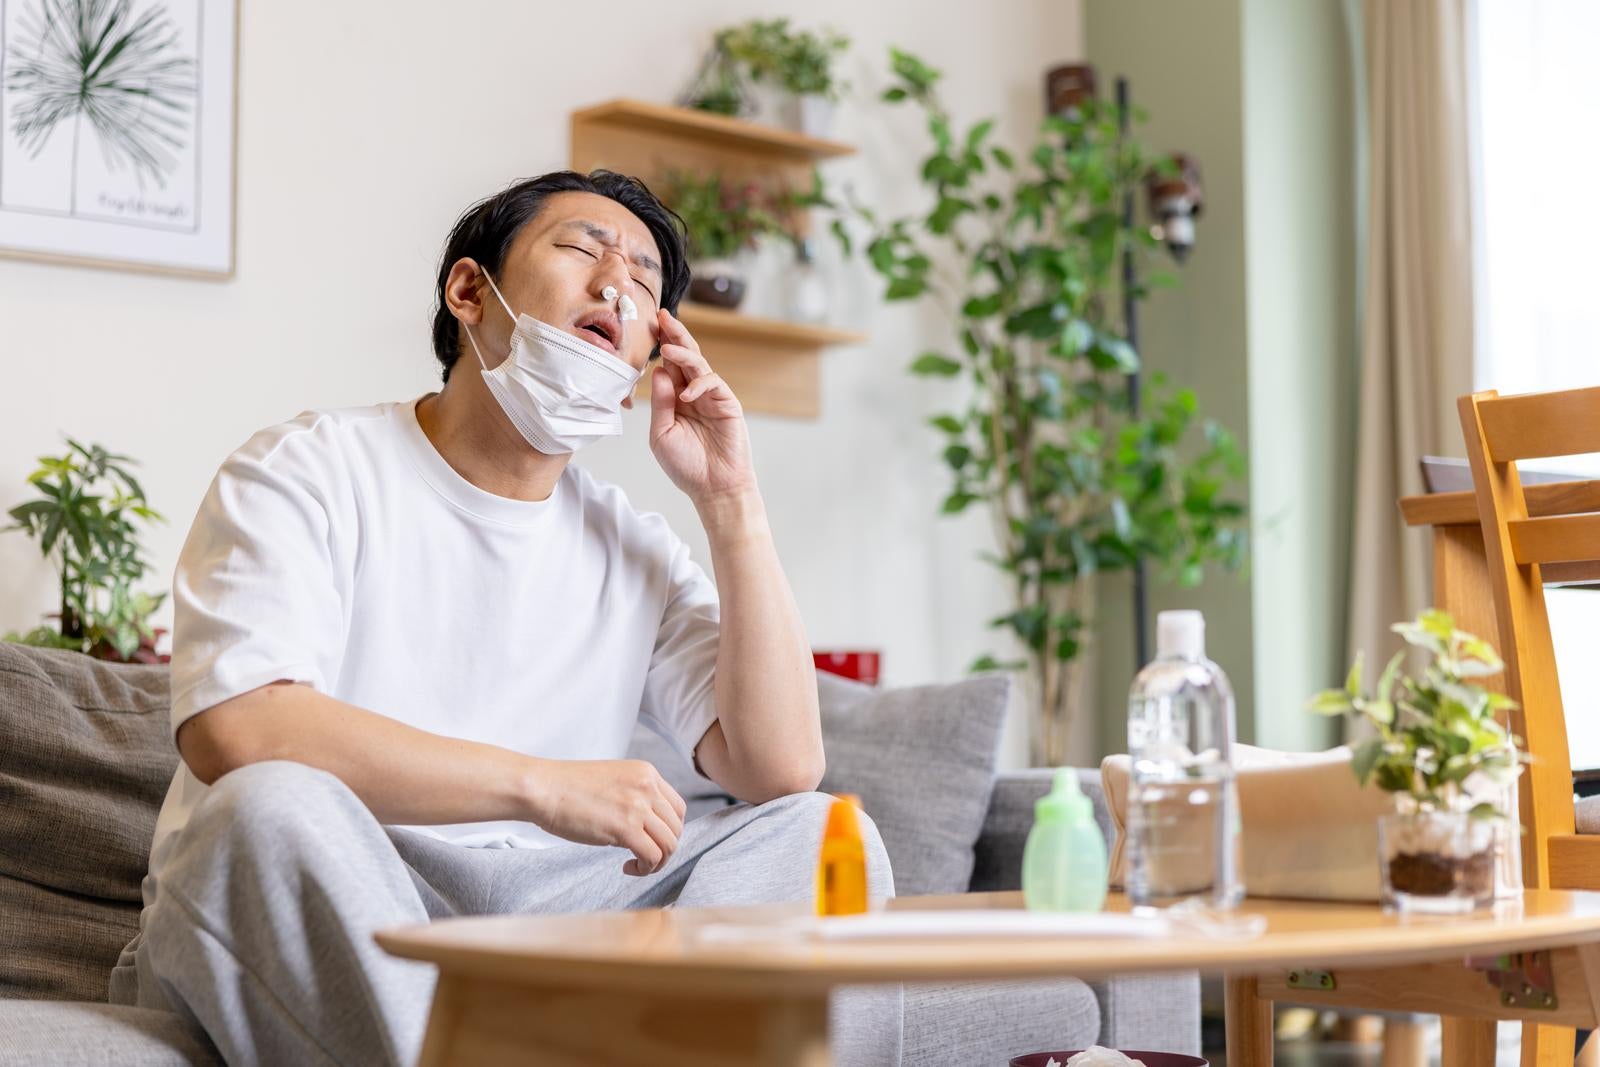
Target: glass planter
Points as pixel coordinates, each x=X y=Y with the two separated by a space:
x=1437 y=862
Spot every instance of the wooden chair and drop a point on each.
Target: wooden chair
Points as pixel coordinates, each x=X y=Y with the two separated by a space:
x=1559 y=543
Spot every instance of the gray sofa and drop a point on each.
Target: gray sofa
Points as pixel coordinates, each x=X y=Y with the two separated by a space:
x=85 y=760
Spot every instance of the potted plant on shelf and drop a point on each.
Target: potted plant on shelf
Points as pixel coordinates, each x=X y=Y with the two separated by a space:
x=721 y=222
x=86 y=521
x=791 y=81
x=1440 y=749
x=1020 y=252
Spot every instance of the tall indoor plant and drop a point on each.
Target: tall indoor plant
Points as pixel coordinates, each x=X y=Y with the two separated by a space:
x=87 y=521
x=1020 y=252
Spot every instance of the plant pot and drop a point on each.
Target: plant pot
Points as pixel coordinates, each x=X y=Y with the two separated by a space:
x=771 y=105
x=718 y=282
x=814 y=115
x=1436 y=862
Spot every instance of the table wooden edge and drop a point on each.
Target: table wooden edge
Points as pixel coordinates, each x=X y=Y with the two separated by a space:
x=811 y=967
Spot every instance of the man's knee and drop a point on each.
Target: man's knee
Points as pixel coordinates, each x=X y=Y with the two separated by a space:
x=809 y=811
x=268 y=801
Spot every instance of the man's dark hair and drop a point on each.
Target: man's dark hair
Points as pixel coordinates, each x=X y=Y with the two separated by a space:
x=485 y=231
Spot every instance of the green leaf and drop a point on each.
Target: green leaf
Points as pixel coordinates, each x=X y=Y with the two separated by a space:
x=1366 y=757
x=1390 y=672
x=1352 y=681
x=1113 y=353
x=1331 y=702
x=933 y=363
x=947 y=423
x=989 y=663
x=905 y=289
x=1002 y=157
x=957 y=502
x=957 y=456
x=980 y=307
x=894 y=95
x=978 y=132
x=1041 y=320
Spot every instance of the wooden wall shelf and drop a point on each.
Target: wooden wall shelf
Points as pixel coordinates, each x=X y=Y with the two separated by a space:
x=774 y=366
x=689 y=125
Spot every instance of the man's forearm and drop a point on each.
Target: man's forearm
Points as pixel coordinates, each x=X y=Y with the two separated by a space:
x=766 y=686
x=403 y=774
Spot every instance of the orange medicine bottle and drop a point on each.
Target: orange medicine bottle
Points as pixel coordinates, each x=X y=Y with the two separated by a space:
x=842 y=867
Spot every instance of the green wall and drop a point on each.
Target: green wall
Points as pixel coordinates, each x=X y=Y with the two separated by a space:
x=1261 y=327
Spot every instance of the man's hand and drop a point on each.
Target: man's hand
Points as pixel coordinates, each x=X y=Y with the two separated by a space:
x=697 y=427
x=610 y=802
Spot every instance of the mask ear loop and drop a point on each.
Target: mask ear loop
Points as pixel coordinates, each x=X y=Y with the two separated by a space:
x=475 y=349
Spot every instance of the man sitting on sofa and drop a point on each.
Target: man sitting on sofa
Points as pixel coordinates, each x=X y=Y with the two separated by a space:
x=412 y=642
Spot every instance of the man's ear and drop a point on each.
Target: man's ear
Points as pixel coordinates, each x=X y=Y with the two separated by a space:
x=463 y=291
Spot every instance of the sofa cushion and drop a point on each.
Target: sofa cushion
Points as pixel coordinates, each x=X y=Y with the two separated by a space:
x=85 y=759
x=39 y=1033
x=59 y=946
x=922 y=760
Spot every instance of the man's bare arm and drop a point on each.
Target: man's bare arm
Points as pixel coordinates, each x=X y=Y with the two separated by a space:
x=767 y=740
x=410 y=776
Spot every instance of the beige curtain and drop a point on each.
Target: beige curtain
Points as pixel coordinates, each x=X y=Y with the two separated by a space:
x=1417 y=310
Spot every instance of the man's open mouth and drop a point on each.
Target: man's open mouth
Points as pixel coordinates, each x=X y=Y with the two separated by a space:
x=601 y=328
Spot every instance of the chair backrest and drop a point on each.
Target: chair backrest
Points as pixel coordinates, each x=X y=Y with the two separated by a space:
x=1559 y=541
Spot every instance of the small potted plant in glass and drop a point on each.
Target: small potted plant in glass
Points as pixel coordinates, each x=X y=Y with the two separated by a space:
x=722 y=221
x=1440 y=749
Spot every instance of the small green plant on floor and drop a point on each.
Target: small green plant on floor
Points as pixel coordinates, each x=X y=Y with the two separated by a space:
x=87 y=522
x=1435 y=731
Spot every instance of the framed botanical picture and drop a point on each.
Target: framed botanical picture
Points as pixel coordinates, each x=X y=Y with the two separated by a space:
x=117 y=132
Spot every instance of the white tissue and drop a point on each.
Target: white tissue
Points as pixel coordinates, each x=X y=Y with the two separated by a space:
x=1099 y=1056
x=626 y=308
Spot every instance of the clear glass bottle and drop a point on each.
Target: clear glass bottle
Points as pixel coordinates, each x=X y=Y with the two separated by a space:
x=1183 y=809
x=806 y=287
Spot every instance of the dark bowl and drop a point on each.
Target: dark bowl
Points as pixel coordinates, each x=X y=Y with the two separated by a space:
x=718 y=290
x=1150 y=1059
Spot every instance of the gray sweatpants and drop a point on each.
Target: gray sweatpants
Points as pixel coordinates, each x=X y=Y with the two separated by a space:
x=261 y=927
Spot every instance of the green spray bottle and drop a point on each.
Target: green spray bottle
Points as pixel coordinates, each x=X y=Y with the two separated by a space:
x=1064 y=861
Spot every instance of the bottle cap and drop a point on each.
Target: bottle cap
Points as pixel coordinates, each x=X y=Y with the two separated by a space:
x=1181 y=633
x=1065 y=802
x=842 y=817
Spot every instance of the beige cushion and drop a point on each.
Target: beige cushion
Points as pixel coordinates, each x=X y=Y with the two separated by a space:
x=1309 y=829
x=85 y=758
x=1588 y=815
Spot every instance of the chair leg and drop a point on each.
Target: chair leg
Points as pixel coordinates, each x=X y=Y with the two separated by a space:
x=1405 y=1043
x=1468 y=1042
x=1547 y=1046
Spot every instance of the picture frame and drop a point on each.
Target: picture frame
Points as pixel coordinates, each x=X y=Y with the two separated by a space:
x=119 y=133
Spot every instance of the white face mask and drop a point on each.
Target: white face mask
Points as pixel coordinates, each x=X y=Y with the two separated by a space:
x=559 y=391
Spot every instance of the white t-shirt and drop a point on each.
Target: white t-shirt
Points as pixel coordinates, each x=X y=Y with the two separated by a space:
x=340 y=550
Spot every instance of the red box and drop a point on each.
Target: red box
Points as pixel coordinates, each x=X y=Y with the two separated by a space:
x=857 y=666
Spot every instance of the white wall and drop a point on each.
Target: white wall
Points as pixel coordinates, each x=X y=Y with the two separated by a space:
x=365 y=128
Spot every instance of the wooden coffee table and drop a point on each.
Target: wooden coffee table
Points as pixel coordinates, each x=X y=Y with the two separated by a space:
x=644 y=987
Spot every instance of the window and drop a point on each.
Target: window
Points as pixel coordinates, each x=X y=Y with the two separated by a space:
x=1538 y=230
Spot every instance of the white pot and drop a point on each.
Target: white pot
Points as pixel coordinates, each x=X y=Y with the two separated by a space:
x=815 y=115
